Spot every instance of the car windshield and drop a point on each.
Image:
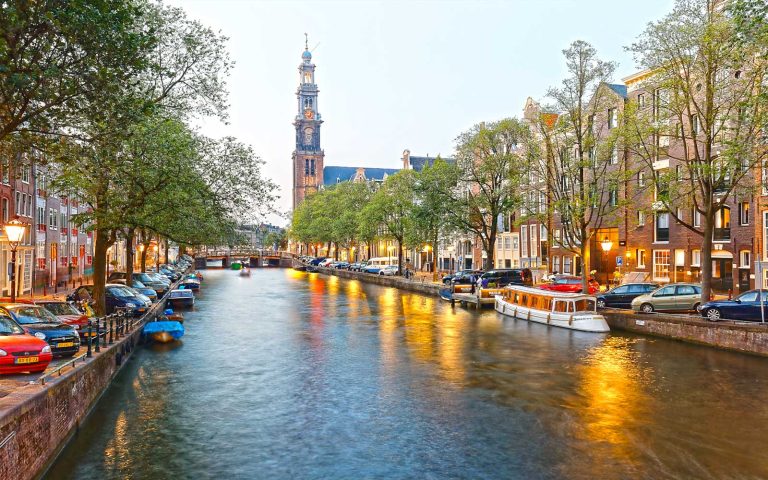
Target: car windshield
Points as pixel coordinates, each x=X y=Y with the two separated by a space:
x=142 y=277
x=9 y=327
x=138 y=284
x=31 y=314
x=121 y=292
x=60 y=308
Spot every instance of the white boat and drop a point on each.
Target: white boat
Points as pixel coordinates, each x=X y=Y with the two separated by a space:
x=575 y=311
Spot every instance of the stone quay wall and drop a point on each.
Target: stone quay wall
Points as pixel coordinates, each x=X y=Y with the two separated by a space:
x=742 y=337
x=37 y=421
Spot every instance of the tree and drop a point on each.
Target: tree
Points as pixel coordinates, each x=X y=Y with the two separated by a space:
x=430 y=218
x=576 y=156
x=488 y=177
x=708 y=114
x=389 y=210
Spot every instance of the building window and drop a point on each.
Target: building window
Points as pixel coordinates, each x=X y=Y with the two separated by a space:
x=615 y=156
x=613 y=118
x=543 y=232
x=745 y=257
x=640 y=179
x=40 y=216
x=662 y=227
x=679 y=173
x=695 y=124
x=744 y=213
x=661 y=265
x=18 y=202
x=555 y=264
x=641 y=99
x=25 y=174
x=558 y=236
x=567 y=264
x=696 y=217
x=679 y=213
x=515 y=243
x=507 y=243
x=640 y=255
x=524 y=241
x=696 y=258
x=613 y=196
x=722 y=231
x=640 y=218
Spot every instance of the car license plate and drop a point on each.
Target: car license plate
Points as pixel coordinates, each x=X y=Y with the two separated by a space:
x=27 y=359
x=65 y=344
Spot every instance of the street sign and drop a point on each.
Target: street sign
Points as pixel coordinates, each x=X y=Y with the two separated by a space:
x=619 y=260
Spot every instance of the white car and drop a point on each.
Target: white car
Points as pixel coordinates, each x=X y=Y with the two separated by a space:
x=326 y=262
x=388 y=270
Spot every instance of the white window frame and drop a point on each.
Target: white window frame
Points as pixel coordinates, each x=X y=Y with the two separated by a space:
x=696 y=257
x=640 y=218
x=745 y=258
x=657 y=254
x=743 y=212
x=640 y=254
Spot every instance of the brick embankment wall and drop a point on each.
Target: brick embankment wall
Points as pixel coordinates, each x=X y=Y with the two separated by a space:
x=742 y=337
x=36 y=421
x=386 y=281
x=747 y=338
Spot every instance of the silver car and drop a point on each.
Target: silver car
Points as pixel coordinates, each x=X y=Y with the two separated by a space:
x=675 y=297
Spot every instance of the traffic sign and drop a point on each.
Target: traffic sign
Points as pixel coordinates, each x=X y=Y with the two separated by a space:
x=619 y=261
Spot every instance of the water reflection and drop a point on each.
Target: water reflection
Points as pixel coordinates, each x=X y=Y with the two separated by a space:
x=295 y=375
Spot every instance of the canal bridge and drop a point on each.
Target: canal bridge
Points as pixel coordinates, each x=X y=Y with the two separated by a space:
x=223 y=258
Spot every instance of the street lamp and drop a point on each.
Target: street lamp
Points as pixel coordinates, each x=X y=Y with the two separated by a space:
x=14 y=230
x=606 y=245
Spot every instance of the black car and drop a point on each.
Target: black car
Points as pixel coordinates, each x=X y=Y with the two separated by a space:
x=501 y=277
x=447 y=279
x=622 y=296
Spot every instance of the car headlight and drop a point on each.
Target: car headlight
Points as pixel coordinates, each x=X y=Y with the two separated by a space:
x=3 y=352
x=130 y=305
x=46 y=349
x=40 y=335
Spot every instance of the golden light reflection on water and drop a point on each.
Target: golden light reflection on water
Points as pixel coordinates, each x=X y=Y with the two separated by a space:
x=116 y=453
x=612 y=398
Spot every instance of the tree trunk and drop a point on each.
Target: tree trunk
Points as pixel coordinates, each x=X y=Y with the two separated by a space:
x=399 y=256
x=166 y=252
x=706 y=256
x=585 y=263
x=129 y=255
x=100 y=270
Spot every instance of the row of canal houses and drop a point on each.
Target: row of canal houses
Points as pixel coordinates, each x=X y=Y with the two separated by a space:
x=54 y=252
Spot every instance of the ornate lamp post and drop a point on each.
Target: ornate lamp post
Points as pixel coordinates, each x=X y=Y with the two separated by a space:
x=14 y=230
x=606 y=245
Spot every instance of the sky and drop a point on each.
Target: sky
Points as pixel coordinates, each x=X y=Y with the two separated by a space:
x=396 y=75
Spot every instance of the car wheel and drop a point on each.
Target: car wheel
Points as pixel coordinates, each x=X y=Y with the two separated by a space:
x=381 y=273
x=646 y=308
x=714 y=315
x=696 y=306
x=600 y=303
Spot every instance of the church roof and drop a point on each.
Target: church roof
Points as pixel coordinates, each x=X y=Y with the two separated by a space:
x=334 y=175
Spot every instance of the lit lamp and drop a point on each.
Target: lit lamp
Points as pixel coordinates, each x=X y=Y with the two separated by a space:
x=14 y=230
x=606 y=245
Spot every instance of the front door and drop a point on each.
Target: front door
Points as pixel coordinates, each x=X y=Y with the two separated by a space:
x=722 y=274
x=743 y=279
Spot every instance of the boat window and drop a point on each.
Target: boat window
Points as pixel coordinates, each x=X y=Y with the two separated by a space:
x=560 y=306
x=585 y=305
x=524 y=300
x=547 y=305
x=570 y=306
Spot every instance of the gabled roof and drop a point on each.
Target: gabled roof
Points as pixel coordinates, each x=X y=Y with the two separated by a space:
x=333 y=175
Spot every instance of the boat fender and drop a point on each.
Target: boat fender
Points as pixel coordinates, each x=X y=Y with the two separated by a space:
x=549 y=318
x=570 y=320
x=529 y=315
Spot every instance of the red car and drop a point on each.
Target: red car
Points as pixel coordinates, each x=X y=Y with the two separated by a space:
x=570 y=284
x=19 y=351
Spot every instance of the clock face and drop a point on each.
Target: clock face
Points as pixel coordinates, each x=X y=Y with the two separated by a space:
x=308 y=113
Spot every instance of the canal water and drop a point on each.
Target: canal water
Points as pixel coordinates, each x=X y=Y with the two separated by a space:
x=294 y=375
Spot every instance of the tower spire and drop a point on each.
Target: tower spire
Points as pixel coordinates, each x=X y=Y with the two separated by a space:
x=306 y=41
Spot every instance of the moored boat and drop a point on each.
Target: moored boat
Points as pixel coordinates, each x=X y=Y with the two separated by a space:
x=245 y=272
x=236 y=265
x=575 y=311
x=164 y=331
x=181 y=297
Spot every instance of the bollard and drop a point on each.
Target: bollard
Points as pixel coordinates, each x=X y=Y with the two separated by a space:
x=98 y=334
x=90 y=338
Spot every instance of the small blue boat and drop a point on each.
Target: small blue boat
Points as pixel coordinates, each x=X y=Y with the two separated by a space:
x=163 y=332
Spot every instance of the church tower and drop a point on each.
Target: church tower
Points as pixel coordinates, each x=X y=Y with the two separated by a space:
x=308 y=156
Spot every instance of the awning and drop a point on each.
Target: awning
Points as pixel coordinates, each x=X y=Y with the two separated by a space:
x=721 y=254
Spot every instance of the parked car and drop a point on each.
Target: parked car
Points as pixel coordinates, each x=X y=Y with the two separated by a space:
x=375 y=269
x=570 y=284
x=36 y=320
x=447 y=279
x=388 y=270
x=669 y=298
x=150 y=293
x=67 y=313
x=20 y=351
x=469 y=277
x=502 y=277
x=315 y=262
x=116 y=296
x=160 y=287
x=744 y=307
x=622 y=296
x=341 y=265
